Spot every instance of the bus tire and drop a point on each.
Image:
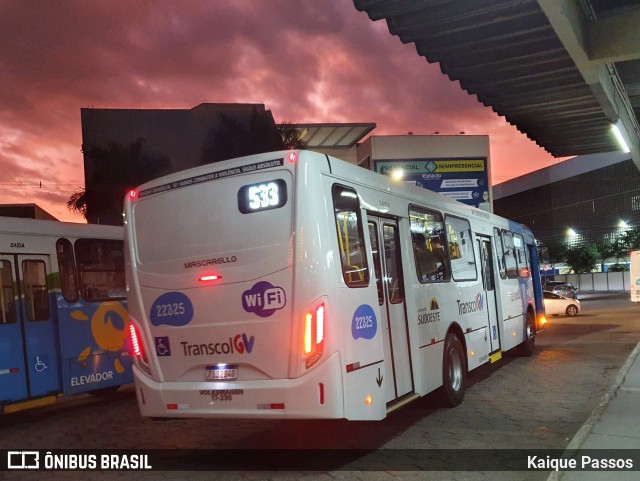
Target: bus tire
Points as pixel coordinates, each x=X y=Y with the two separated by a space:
x=527 y=348
x=454 y=371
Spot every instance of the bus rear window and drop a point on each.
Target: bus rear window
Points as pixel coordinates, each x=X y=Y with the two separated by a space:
x=213 y=219
x=262 y=196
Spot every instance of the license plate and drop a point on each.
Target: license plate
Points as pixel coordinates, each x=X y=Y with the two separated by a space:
x=221 y=373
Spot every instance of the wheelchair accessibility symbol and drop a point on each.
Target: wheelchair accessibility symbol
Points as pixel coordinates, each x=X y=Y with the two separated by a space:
x=40 y=366
x=163 y=348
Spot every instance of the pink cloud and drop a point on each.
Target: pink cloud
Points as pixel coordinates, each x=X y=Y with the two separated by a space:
x=307 y=61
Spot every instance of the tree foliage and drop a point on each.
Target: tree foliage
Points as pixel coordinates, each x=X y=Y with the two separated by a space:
x=116 y=169
x=631 y=239
x=582 y=258
x=553 y=252
x=290 y=136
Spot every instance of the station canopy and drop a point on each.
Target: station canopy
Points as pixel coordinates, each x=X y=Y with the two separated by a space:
x=333 y=135
x=561 y=71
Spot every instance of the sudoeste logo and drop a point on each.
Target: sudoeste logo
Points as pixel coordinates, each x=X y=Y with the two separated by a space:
x=263 y=299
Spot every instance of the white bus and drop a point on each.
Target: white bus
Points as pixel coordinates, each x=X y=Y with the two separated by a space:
x=296 y=285
x=63 y=316
x=634 y=267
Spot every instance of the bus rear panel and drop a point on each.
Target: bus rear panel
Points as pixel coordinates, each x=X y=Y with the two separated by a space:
x=215 y=306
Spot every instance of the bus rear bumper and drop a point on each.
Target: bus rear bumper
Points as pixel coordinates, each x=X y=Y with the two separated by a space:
x=317 y=394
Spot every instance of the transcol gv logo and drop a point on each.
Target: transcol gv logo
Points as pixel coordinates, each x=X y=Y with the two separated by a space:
x=479 y=301
x=471 y=306
x=263 y=299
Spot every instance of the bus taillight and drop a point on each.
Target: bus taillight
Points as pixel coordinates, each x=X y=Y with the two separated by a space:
x=314 y=335
x=136 y=343
x=209 y=278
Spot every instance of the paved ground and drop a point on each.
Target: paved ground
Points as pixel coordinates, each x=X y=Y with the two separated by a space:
x=527 y=403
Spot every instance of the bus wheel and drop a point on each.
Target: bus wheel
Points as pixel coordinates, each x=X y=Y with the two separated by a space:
x=454 y=371
x=528 y=346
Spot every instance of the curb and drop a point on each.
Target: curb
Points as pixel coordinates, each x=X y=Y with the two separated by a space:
x=584 y=431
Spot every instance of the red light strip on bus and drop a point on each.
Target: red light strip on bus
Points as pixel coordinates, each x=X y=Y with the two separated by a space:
x=209 y=278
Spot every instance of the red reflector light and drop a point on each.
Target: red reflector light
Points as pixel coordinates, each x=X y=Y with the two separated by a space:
x=133 y=194
x=136 y=345
x=271 y=406
x=209 y=278
x=172 y=406
x=293 y=157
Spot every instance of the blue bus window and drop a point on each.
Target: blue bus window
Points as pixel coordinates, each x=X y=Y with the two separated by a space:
x=36 y=294
x=7 y=294
x=101 y=269
x=67 y=268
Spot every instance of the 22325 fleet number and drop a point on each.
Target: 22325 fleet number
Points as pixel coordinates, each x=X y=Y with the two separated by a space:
x=169 y=310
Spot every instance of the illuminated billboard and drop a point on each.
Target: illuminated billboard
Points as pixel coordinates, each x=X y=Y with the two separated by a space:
x=462 y=179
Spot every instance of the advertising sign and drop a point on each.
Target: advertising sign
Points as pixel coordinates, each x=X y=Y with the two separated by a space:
x=462 y=179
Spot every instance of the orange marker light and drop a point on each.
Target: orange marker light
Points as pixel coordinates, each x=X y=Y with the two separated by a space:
x=368 y=400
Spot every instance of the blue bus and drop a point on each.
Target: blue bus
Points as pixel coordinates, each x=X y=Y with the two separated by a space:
x=63 y=313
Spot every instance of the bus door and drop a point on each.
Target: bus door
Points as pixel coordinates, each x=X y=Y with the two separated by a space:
x=28 y=329
x=488 y=281
x=385 y=245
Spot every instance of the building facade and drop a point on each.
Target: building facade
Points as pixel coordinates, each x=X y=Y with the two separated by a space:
x=586 y=199
x=124 y=148
x=26 y=211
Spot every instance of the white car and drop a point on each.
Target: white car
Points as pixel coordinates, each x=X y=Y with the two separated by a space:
x=557 y=304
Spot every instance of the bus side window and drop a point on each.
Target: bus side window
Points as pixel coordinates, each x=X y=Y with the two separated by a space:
x=524 y=267
x=428 y=237
x=373 y=235
x=353 y=258
x=7 y=294
x=101 y=269
x=463 y=259
x=502 y=268
x=36 y=294
x=67 y=269
x=509 y=255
